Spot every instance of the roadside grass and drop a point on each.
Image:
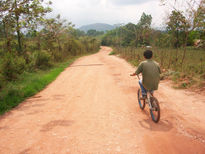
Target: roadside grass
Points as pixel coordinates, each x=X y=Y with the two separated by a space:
x=189 y=74
x=112 y=53
x=28 y=85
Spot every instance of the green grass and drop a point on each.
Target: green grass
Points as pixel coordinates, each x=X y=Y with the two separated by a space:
x=112 y=53
x=191 y=73
x=28 y=85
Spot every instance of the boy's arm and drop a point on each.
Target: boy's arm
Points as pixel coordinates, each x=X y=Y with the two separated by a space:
x=138 y=71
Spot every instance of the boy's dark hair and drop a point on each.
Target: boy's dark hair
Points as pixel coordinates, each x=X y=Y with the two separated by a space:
x=148 y=54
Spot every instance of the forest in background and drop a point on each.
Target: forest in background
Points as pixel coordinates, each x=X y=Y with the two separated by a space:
x=179 y=49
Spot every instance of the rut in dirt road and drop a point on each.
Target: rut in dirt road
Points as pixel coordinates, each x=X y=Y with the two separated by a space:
x=92 y=108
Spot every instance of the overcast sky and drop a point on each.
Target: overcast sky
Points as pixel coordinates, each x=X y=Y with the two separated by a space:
x=82 y=12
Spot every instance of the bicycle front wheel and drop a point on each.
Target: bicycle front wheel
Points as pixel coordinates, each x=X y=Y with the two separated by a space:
x=155 y=111
x=140 y=100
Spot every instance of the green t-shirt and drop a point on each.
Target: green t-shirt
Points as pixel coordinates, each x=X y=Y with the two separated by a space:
x=151 y=74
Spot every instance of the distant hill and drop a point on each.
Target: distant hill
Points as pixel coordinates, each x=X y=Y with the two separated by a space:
x=97 y=27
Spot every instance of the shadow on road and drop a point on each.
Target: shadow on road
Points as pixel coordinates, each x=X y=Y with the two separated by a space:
x=49 y=126
x=87 y=65
x=162 y=125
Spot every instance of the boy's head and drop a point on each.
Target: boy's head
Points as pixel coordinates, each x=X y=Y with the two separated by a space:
x=148 y=54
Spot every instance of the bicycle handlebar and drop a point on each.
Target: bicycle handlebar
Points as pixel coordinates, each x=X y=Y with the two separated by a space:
x=134 y=75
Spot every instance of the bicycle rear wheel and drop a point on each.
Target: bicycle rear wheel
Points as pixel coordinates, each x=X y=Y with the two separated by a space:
x=155 y=111
x=140 y=101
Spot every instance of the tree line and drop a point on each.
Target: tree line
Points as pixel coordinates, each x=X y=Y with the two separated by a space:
x=178 y=47
x=181 y=30
x=29 y=40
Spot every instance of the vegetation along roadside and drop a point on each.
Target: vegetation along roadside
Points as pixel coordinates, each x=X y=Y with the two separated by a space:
x=29 y=84
x=179 y=46
x=34 y=48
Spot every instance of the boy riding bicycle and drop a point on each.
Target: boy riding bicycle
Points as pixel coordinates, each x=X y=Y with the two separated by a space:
x=150 y=74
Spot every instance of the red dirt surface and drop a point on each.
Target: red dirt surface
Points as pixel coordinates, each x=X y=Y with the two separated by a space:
x=92 y=108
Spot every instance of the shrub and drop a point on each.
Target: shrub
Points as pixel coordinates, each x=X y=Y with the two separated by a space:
x=30 y=61
x=74 y=47
x=57 y=56
x=1 y=81
x=112 y=53
x=12 y=66
x=42 y=60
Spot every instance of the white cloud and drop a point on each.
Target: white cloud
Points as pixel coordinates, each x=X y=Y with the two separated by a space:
x=81 y=12
x=129 y=2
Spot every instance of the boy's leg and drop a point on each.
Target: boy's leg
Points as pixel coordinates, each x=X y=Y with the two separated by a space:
x=144 y=92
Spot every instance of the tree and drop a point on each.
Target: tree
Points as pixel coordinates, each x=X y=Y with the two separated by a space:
x=200 y=19
x=1 y=29
x=145 y=28
x=19 y=14
x=145 y=20
x=175 y=26
x=128 y=35
x=191 y=19
x=93 y=32
x=136 y=35
x=77 y=33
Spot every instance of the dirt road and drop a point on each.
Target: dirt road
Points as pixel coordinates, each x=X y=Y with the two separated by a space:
x=92 y=108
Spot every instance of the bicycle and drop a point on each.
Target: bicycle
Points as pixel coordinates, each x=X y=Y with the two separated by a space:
x=152 y=102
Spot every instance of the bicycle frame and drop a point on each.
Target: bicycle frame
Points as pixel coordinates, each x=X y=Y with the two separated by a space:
x=149 y=95
x=152 y=102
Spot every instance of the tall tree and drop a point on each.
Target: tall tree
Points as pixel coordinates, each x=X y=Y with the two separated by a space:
x=194 y=16
x=144 y=28
x=175 y=26
x=19 y=14
x=55 y=31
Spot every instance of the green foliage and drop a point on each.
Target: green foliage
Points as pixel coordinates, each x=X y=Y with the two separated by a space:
x=12 y=66
x=25 y=58
x=194 y=35
x=30 y=83
x=74 y=47
x=191 y=73
x=199 y=17
x=42 y=60
x=112 y=53
x=130 y=34
x=173 y=47
x=19 y=14
x=176 y=27
x=2 y=81
x=1 y=30
x=93 y=32
x=77 y=33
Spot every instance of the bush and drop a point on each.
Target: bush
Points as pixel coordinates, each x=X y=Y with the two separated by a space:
x=74 y=47
x=42 y=60
x=112 y=53
x=1 y=81
x=58 y=56
x=30 y=62
x=12 y=66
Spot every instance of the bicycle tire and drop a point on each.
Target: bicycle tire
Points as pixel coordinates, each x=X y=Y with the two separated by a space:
x=156 y=109
x=141 y=102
